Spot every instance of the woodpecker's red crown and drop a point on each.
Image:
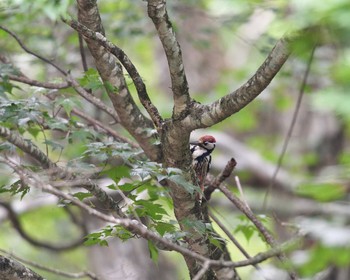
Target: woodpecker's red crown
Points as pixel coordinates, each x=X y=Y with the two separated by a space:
x=207 y=138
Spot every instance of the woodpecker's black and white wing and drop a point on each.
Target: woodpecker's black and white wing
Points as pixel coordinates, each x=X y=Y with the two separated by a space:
x=201 y=157
x=201 y=160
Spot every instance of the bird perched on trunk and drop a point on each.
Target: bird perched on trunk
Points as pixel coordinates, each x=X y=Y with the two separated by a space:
x=201 y=157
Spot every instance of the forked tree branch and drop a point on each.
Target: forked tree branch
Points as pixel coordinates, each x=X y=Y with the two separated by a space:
x=159 y=15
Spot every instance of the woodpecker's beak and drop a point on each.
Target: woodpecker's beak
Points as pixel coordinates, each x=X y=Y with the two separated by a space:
x=195 y=143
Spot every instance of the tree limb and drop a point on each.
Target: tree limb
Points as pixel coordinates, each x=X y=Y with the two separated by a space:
x=202 y=116
x=112 y=74
x=218 y=180
x=158 y=13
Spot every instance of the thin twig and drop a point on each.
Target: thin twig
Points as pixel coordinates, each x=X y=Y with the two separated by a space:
x=291 y=127
x=240 y=189
x=23 y=46
x=202 y=271
x=92 y=99
x=82 y=52
x=231 y=237
x=215 y=183
x=25 y=80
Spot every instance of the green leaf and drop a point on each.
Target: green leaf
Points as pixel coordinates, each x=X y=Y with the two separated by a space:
x=216 y=242
x=181 y=181
x=82 y=195
x=99 y=237
x=153 y=251
x=321 y=257
x=82 y=135
x=91 y=241
x=199 y=226
x=247 y=228
x=150 y=209
x=162 y=227
x=103 y=242
x=322 y=191
x=17 y=188
x=34 y=131
x=91 y=80
x=54 y=145
x=127 y=187
x=110 y=87
x=122 y=233
x=117 y=172
x=68 y=104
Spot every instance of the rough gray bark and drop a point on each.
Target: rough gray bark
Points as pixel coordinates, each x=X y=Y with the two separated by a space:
x=13 y=270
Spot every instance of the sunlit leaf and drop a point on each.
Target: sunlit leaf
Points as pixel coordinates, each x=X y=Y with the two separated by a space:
x=82 y=195
x=153 y=251
x=322 y=191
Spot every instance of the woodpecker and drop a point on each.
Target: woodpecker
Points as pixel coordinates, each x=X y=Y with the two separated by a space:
x=201 y=157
